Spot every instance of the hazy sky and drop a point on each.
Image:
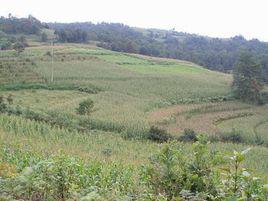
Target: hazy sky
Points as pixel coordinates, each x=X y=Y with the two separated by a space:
x=219 y=18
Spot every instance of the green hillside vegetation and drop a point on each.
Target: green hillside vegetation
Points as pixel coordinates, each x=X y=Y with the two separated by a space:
x=128 y=89
x=109 y=149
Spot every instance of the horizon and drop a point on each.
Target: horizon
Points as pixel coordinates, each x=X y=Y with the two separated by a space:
x=149 y=28
x=222 y=19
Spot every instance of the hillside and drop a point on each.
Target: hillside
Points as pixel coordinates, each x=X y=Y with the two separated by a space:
x=131 y=93
x=128 y=89
x=218 y=54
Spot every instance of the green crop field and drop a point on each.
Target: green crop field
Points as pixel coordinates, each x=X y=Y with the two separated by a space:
x=131 y=93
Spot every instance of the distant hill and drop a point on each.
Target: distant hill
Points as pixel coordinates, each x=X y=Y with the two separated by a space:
x=213 y=53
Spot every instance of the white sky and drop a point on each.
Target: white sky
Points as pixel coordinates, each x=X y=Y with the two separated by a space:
x=217 y=18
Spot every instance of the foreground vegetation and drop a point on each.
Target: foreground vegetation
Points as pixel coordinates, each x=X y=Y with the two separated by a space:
x=39 y=162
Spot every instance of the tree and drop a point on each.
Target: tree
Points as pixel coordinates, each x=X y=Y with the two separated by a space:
x=44 y=37
x=19 y=47
x=246 y=84
x=23 y=40
x=85 y=107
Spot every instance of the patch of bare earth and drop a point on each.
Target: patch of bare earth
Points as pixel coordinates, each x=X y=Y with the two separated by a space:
x=202 y=118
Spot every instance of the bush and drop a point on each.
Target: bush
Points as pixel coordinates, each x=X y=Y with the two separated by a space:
x=10 y=99
x=188 y=136
x=48 y=53
x=174 y=172
x=90 y=90
x=234 y=136
x=201 y=174
x=1 y=99
x=3 y=106
x=85 y=107
x=159 y=135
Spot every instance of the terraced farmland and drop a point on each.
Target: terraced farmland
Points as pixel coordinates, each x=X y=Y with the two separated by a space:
x=214 y=119
x=131 y=93
x=18 y=71
x=135 y=91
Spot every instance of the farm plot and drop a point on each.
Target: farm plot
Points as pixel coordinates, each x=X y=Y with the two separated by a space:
x=215 y=118
x=107 y=147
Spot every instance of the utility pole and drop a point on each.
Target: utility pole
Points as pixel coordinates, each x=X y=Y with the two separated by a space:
x=52 y=62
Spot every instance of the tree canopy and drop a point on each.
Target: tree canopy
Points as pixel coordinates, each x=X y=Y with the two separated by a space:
x=246 y=84
x=13 y=25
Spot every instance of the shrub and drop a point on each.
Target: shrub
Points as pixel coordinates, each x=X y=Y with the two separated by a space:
x=159 y=135
x=201 y=174
x=3 y=107
x=90 y=90
x=234 y=136
x=174 y=172
x=188 y=136
x=48 y=53
x=10 y=99
x=85 y=107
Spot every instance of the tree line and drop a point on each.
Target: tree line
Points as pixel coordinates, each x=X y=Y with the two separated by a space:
x=14 y=25
x=13 y=31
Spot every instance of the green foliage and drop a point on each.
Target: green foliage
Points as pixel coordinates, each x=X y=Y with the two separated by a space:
x=3 y=106
x=72 y=35
x=48 y=53
x=62 y=177
x=19 y=47
x=173 y=171
x=234 y=136
x=188 y=136
x=79 y=178
x=6 y=41
x=246 y=85
x=10 y=99
x=22 y=86
x=239 y=183
x=43 y=37
x=13 y=25
x=159 y=135
x=85 y=107
x=197 y=176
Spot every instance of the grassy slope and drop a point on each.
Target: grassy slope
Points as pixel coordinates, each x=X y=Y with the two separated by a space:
x=132 y=84
x=133 y=88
